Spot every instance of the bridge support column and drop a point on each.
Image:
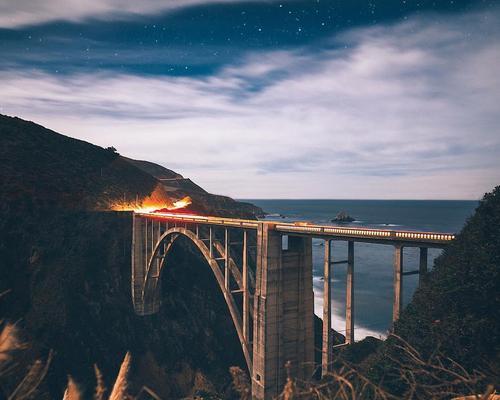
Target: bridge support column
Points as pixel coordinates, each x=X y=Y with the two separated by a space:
x=397 y=305
x=246 y=292
x=349 y=301
x=227 y=274
x=139 y=262
x=145 y=236
x=283 y=310
x=327 y=350
x=423 y=264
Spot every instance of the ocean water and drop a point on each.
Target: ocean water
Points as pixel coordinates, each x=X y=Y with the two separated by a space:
x=373 y=270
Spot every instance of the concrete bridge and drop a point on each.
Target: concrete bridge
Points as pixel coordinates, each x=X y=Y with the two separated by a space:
x=264 y=271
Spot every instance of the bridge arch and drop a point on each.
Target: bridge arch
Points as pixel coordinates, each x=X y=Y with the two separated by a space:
x=151 y=292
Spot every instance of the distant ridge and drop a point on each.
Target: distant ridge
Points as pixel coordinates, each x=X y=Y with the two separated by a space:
x=158 y=171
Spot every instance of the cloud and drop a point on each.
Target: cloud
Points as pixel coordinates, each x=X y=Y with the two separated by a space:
x=19 y=13
x=399 y=111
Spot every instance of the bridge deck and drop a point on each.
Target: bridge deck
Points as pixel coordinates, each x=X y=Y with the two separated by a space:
x=381 y=236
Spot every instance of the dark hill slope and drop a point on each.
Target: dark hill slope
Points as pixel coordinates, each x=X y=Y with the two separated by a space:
x=207 y=203
x=44 y=169
x=153 y=169
x=41 y=168
x=457 y=309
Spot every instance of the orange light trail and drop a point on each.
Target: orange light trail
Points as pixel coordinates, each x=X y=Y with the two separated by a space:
x=158 y=208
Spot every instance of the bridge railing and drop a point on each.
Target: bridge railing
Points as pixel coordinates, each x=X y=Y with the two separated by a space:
x=310 y=229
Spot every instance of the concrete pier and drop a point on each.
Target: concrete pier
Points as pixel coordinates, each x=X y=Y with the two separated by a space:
x=327 y=349
x=349 y=301
x=284 y=309
x=422 y=263
x=397 y=304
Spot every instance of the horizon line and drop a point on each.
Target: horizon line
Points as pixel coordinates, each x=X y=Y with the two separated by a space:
x=351 y=199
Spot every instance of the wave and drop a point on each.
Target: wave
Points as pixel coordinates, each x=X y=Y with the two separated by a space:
x=338 y=322
x=273 y=215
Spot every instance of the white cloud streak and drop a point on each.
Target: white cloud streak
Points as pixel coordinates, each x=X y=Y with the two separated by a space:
x=405 y=111
x=19 y=13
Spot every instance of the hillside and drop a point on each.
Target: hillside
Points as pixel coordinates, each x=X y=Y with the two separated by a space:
x=44 y=169
x=155 y=170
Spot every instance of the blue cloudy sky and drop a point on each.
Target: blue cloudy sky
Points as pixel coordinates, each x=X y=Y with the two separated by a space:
x=270 y=99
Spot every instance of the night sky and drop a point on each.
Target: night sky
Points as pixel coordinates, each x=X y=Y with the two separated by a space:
x=270 y=99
